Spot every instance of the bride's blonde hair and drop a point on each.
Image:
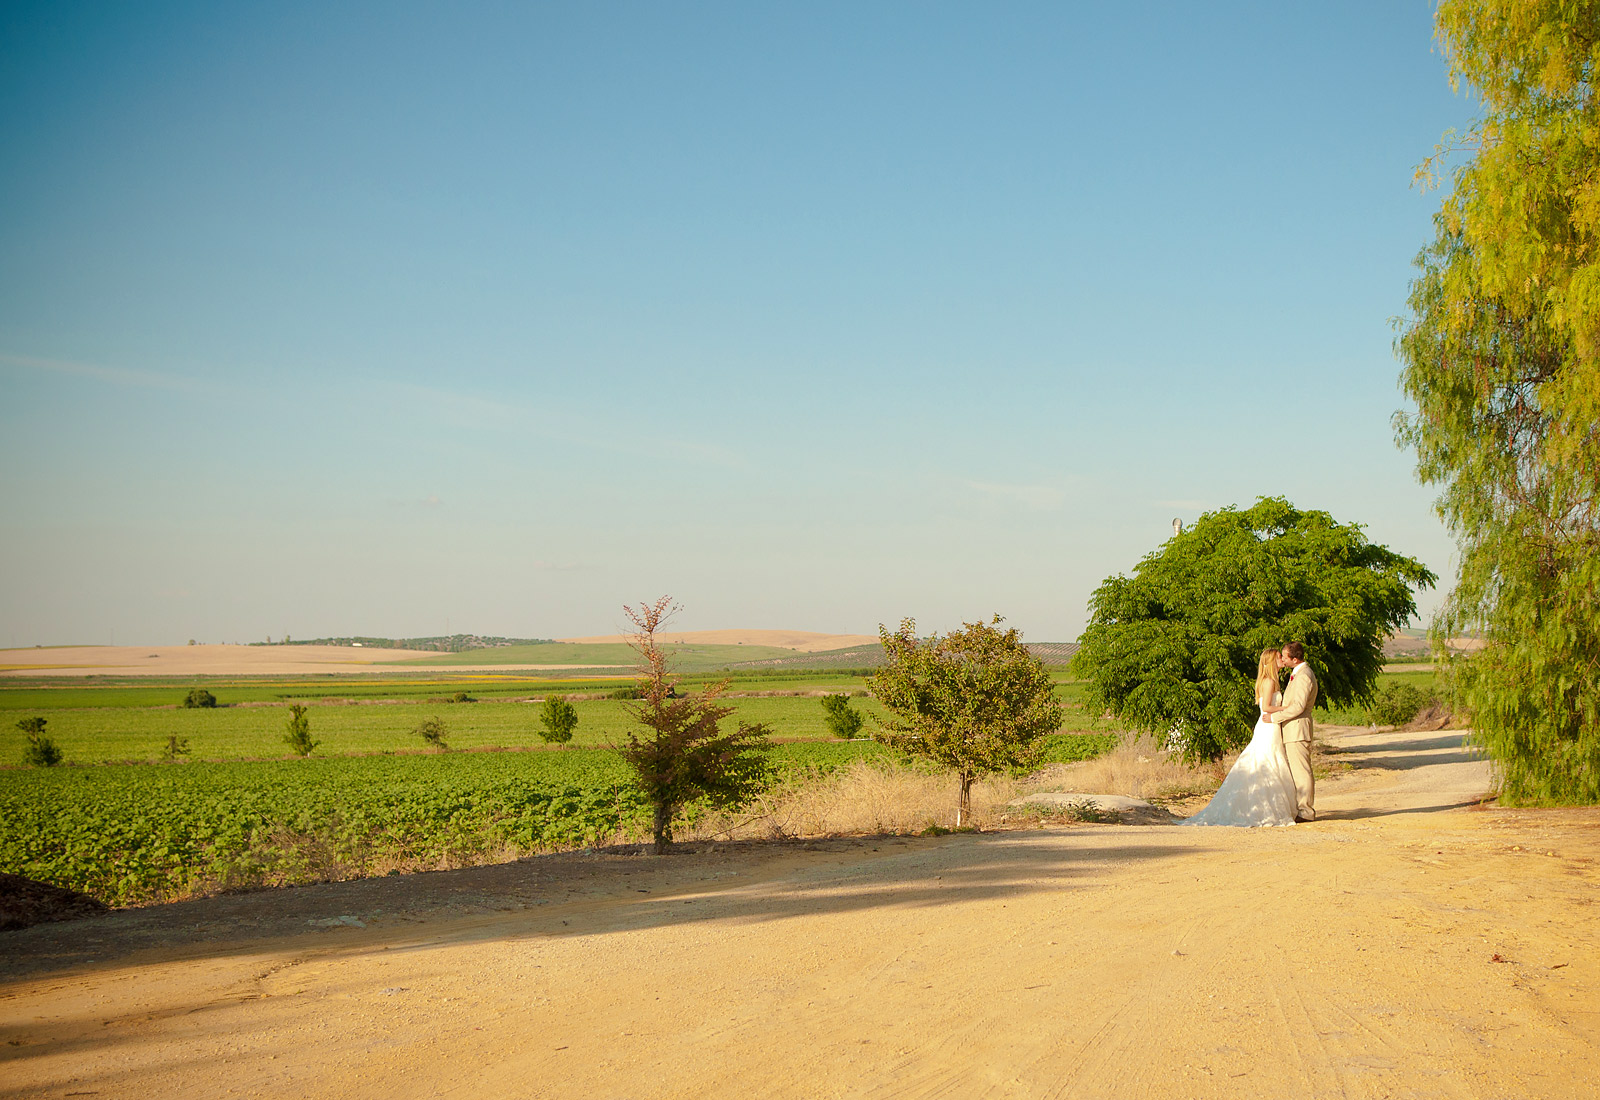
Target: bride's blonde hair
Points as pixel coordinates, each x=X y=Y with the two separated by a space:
x=1267 y=670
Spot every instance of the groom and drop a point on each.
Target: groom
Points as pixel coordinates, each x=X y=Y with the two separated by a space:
x=1294 y=719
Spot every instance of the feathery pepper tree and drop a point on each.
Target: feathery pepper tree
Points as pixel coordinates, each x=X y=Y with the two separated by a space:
x=1501 y=357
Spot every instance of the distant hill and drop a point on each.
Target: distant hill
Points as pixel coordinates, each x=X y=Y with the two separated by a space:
x=1413 y=644
x=449 y=643
x=690 y=650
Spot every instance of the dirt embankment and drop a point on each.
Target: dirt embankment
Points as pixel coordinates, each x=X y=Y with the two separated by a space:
x=1408 y=944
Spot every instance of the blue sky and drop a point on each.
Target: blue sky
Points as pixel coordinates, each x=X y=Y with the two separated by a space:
x=394 y=319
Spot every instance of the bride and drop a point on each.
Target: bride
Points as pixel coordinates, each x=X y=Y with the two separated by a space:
x=1260 y=788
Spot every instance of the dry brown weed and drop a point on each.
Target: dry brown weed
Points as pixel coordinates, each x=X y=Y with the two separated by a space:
x=865 y=797
x=1137 y=767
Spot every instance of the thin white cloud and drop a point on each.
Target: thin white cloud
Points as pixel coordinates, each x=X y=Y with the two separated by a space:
x=1037 y=498
x=119 y=376
x=571 y=427
x=464 y=408
x=709 y=453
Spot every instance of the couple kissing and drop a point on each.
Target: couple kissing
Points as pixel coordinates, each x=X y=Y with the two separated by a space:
x=1271 y=782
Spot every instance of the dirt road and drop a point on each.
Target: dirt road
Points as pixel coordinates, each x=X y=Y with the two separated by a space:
x=1408 y=945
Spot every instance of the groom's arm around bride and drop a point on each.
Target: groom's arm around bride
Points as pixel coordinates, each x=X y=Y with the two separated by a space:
x=1295 y=722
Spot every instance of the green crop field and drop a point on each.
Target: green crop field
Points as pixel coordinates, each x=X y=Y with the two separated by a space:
x=130 y=834
x=232 y=691
x=1425 y=680
x=685 y=658
x=112 y=723
x=21 y=693
x=238 y=812
x=90 y=735
x=131 y=723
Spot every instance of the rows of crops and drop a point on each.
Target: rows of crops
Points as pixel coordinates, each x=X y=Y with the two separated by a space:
x=114 y=734
x=137 y=833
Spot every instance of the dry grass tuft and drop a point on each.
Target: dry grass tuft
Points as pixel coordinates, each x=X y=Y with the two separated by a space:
x=1138 y=767
x=865 y=797
x=889 y=797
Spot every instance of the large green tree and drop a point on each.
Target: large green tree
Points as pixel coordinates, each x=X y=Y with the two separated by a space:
x=1174 y=648
x=1502 y=360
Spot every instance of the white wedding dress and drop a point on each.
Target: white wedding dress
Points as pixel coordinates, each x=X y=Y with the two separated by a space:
x=1260 y=788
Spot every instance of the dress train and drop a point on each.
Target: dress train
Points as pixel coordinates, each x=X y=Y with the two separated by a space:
x=1259 y=789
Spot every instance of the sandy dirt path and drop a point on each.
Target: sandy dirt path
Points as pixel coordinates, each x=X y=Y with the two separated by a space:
x=1408 y=945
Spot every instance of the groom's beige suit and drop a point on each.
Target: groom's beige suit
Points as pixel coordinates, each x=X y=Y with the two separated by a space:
x=1298 y=730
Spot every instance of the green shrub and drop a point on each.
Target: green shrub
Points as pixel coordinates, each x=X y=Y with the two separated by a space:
x=462 y=697
x=199 y=697
x=298 y=737
x=627 y=693
x=433 y=731
x=41 y=752
x=1396 y=705
x=559 y=718
x=842 y=719
x=175 y=747
x=1090 y=812
x=1066 y=748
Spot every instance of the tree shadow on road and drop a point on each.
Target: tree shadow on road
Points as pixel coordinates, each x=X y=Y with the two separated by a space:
x=1416 y=752
x=589 y=893
x=1362 y=813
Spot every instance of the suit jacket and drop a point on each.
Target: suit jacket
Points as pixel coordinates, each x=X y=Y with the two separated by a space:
x=1298 y=700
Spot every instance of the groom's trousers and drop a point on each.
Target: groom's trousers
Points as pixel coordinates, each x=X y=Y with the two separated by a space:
x=1305 y=784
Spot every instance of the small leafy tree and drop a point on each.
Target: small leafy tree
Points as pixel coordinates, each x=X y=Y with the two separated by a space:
x=199 y=697
x=1173 y=649
x=558 y=718
x=683 y=755
x=298 y=737
x=843 y=720
x=41 y=751
x=175 y=747
x=463 y=697
x=975 y=700
x=433 y=731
